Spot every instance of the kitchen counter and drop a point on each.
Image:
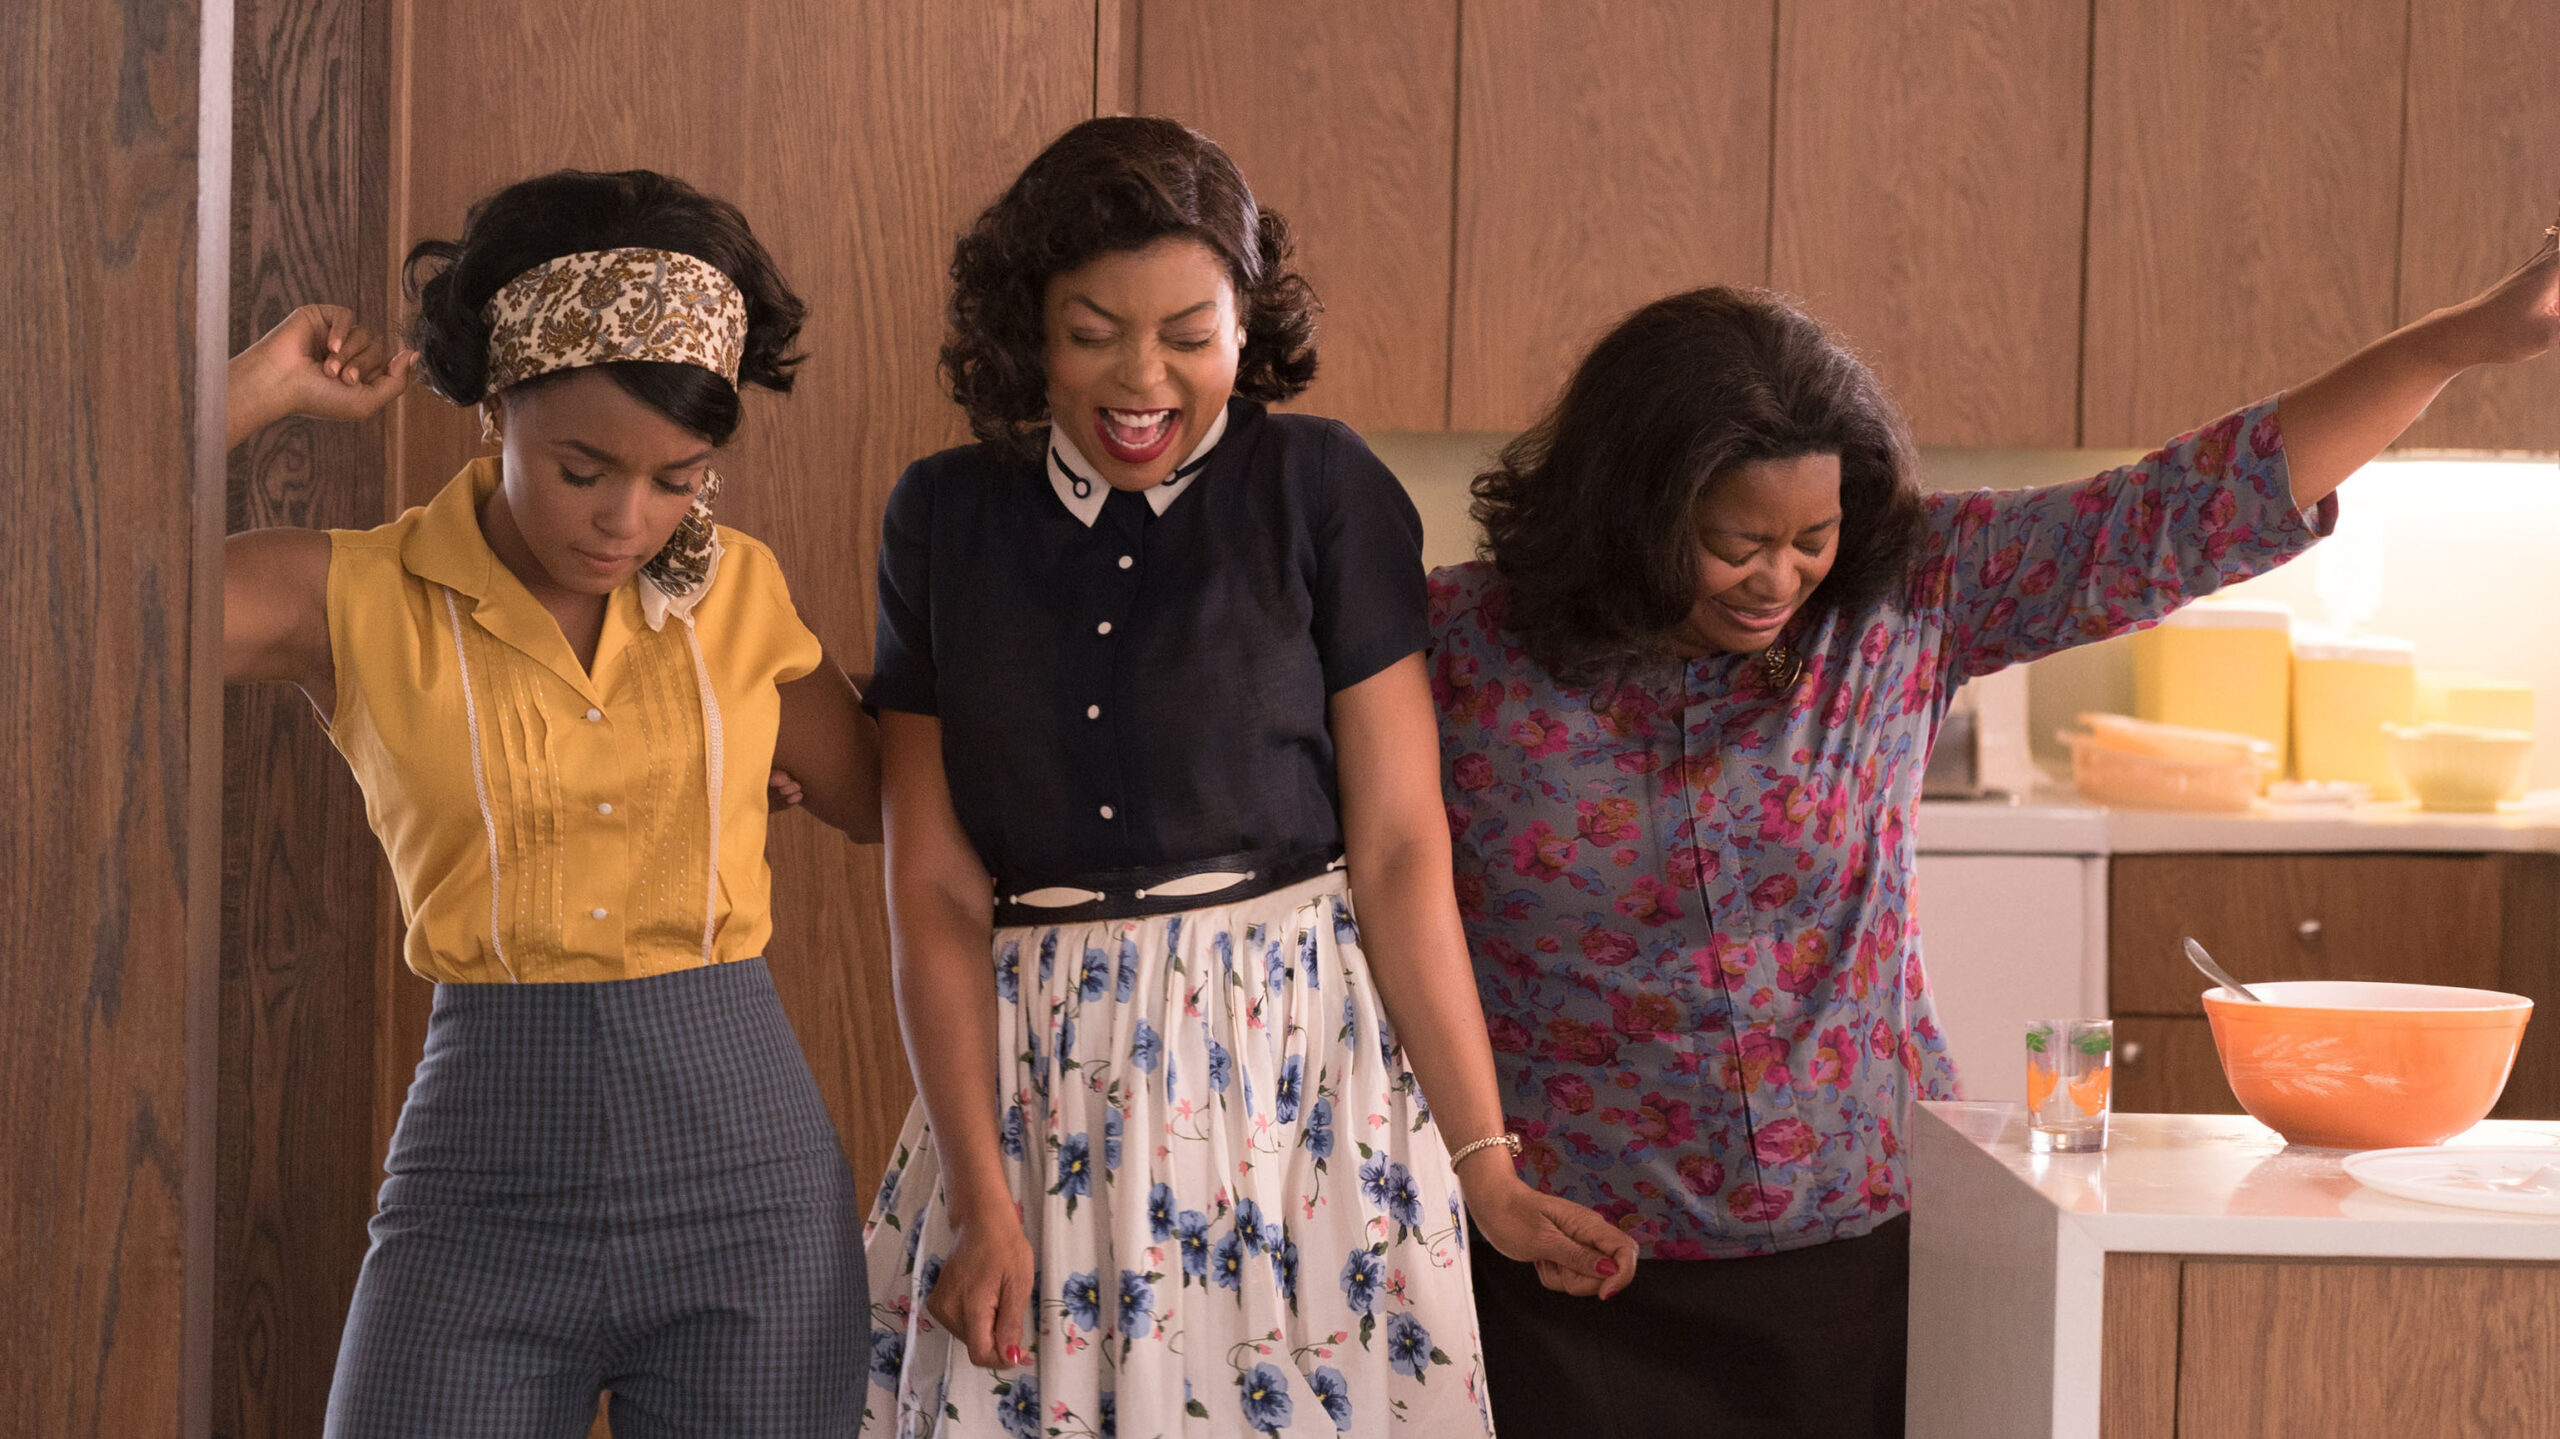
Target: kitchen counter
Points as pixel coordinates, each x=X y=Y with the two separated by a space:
x=2018 y=1260
x=2061 y=823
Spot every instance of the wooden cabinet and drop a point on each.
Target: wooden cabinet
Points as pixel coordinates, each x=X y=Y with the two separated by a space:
x=1607 y=155
x=2242 y=1348
x=2097 y=222
x=2244 y=203
x=2479 y=921
x=2481 y=179
x=1927 y=197
x=1342 y=116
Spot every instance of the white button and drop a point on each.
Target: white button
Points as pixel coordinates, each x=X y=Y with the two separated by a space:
x=1106 y=811
x=594 y=715
x=1103 y=628
x=1093 y=711
x=1126 y=562
x=604 y=809
x=596 y=913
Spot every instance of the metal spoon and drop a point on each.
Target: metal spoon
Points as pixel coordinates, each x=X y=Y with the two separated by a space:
x=2212 y=971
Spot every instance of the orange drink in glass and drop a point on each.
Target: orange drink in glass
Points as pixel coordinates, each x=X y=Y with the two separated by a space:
x=2070 y=1082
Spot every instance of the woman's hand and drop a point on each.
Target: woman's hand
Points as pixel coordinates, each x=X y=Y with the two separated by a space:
x=781 y=792
x=984 y=1291
x=317 y=362
x=1576 y=1251
x=2344 y=416
x=2518 y=318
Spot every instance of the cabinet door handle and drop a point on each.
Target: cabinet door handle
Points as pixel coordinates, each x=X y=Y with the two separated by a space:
x=2309 y=930
x=2129 y=1052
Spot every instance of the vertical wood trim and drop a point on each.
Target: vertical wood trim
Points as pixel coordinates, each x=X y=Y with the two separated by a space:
x=2088 y=187
x=210 y=498
x=1457 y=182
x=2138 y=1370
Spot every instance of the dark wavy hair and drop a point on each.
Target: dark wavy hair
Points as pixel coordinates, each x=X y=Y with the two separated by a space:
x=568 y=212
x=1590 y=517
x=1118 y=183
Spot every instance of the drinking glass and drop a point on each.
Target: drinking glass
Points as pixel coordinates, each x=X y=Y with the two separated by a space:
x=2070 y=1079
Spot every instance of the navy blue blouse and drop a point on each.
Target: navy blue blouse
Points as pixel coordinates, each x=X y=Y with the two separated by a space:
x=1148 y=689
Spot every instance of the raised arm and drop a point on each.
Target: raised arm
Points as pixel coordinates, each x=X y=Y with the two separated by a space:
x=275 y=582
x=2340 y=419
x=1396 y=837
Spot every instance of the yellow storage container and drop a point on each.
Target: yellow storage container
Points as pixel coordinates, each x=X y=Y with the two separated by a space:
x=2474 y=701
x=2344 y=692
x=2220 y=664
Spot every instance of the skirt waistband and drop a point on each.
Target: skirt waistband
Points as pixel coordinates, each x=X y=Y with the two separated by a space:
x=1158 y=889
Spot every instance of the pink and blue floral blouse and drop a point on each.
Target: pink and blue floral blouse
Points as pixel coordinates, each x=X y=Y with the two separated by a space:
x=1688 y=897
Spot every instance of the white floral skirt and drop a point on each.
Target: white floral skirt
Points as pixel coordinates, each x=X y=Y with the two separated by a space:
x=1243 y=1218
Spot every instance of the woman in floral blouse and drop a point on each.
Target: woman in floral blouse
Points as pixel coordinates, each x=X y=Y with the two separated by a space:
x=1685 y=701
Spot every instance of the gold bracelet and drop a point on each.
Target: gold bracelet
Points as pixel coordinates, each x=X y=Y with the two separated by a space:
x=1507 y=1141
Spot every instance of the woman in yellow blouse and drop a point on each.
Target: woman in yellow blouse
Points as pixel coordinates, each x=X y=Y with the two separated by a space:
x=563 y=690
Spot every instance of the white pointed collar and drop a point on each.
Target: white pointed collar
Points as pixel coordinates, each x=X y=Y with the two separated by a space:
x=1081 y=488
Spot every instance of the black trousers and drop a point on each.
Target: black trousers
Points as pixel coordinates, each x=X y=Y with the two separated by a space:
x=1807 y=1344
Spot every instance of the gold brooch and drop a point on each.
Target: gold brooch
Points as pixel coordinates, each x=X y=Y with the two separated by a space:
x=1780 y=668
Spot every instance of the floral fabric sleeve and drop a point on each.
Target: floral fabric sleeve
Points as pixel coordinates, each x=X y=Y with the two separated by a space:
x=2021 y=574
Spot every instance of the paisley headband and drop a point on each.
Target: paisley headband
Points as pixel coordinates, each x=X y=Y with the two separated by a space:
x=599 y=306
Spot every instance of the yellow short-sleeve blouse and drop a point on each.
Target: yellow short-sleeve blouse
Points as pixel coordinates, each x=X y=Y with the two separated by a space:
x=545 y=823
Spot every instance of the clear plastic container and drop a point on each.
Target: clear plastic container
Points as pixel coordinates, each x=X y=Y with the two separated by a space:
x=2128 y=780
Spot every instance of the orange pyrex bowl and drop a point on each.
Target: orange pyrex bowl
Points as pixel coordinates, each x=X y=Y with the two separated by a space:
x=2351 y=1064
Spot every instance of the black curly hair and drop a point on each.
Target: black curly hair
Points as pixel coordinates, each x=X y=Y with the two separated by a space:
x=1113 y=184
x=1590 y=517
x=568 y=212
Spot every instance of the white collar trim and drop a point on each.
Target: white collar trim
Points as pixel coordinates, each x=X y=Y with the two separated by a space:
x=1081 y=488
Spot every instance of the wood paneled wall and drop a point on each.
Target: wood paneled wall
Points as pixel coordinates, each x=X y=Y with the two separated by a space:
x=109 y=711
x=1603 y=160
x=2483 y=168
x=1926 y=202
x=304 y=885
x=860 y=140
x=1342 y=115
x=2244 y=207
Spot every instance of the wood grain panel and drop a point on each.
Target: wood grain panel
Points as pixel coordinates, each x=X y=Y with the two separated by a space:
x=109 y=737
x=2420 y=919
x=2138 y=1369
x=1342 y=115
x=2306 y=1350
x=2176 y=1071
x=1927 y=194
x=859 y=140
x=2482 y=179
x=2244 y=203
x=2529 y=964
x=303 y=880
x=1608 y=154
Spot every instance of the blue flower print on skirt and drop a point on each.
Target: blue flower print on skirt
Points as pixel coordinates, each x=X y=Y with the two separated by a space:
x=1243 y=1219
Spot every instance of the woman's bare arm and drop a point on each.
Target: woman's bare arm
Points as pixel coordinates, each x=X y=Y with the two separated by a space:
x=828 y=750
x=1396 y=836
x=2340 y=419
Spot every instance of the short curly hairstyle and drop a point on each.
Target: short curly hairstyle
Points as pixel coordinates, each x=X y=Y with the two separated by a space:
x=569 y=212
x=1118 y=183
x=1590 y=517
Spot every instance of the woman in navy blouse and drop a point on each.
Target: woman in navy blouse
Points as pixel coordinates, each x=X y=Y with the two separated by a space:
x=1685 y=702
x=1149 y=662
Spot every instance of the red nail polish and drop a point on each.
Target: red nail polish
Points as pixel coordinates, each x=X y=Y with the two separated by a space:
x=1608 y=1268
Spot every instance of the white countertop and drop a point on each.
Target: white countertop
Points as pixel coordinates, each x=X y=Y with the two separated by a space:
x=2063 y=823
x=2215 y=1184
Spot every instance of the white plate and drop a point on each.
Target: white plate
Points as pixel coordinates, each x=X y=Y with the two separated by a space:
x=2510 y=1180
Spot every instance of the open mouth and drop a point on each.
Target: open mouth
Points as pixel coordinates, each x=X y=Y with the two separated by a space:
x=1133 y=437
